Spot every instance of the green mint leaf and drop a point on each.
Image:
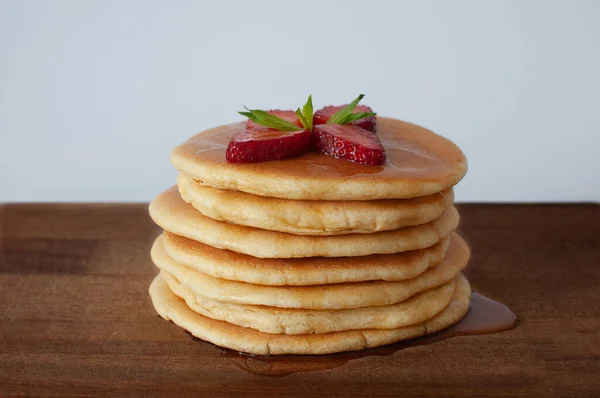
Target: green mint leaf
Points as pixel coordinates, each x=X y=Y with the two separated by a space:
x=266 y=119
x=307 y=111
x=356 y=116
x=340 y=115
x=346 y=115
x=306 y=114
x=303 y=120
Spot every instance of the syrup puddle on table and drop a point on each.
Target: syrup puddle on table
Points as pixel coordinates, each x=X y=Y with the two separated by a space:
x=485 y=316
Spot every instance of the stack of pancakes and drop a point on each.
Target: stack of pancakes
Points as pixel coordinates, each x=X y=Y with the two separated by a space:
x=312 y=255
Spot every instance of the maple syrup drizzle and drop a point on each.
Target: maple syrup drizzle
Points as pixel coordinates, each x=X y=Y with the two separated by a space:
x=485 y=316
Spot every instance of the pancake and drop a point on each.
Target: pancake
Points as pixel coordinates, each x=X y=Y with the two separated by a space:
x=415 y=310
x=170 y=212
x=226 y=264
x=333 y=296
x=419 y=163
x=312 y=217
x=171 y=307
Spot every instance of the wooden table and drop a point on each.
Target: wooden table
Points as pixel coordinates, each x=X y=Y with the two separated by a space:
x=76 y=319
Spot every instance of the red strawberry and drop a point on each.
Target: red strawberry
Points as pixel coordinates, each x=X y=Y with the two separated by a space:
x=323 y=115
x=262 y=144
x=348 y=142
x=289 y=116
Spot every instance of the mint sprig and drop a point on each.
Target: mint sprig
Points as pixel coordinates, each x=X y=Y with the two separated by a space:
x=346 y=115
x=306 y=114
x=266 y=119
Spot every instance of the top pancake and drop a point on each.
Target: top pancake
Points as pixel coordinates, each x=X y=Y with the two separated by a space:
x=419 y=163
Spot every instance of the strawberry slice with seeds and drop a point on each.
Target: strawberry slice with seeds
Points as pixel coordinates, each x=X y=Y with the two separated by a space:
x=262 y=144
x=288 y=116
x=348 y=142
x=324 y=114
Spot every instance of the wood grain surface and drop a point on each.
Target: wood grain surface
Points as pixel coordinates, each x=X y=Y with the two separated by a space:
x=76 y=319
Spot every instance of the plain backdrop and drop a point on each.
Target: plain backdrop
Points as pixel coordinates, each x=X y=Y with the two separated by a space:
x=94 y=94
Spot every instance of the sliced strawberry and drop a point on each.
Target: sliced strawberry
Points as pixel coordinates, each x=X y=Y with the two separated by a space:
x=262 y=144
x=323 y=115
x=289 y=116
x=348 y=142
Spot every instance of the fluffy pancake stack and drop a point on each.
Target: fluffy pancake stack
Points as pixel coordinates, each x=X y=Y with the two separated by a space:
x=312 y=255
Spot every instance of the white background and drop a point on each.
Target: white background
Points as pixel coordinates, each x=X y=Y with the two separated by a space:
x=93 y=94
